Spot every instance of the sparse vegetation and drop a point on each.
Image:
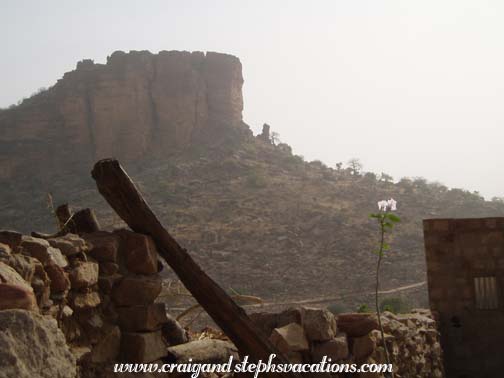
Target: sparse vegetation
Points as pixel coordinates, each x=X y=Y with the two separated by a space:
x=395 y=305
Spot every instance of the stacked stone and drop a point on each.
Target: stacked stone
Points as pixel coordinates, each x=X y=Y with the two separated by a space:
x=100 y=287
x=306 y=335
x=413 y=342
x=133 y=285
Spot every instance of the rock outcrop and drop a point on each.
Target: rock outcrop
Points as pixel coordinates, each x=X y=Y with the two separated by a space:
x=138 y=104
x=32 y=345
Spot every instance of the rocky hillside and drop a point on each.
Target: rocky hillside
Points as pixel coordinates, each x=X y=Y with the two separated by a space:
x=136 y=105
x=258 y=218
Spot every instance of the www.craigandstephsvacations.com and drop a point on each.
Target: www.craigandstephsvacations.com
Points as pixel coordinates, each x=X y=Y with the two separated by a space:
x=245 y=366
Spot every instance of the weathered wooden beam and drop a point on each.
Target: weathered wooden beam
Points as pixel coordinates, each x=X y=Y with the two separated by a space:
x=120 y=192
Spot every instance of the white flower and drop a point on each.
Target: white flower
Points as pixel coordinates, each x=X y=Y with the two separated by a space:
x=382 y=205
x=385 y=205
x=392 y=204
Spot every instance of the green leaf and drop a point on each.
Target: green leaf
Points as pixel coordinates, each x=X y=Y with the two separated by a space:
x=388 y=225
x=386 y=247
x=393 y=218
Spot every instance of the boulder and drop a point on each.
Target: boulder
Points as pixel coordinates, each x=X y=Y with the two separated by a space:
x=84 y=274
x=69 y=244
x=357 y=324
x=290 y=338
x=136 y=290
x=142 y=318
x=140 y=252
x=319 y=324
x=33 y=346
x=142 y=347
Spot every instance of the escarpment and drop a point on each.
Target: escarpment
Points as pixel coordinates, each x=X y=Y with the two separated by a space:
x=135 y=106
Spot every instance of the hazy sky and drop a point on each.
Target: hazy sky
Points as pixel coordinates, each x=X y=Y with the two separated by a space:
x=412 y=88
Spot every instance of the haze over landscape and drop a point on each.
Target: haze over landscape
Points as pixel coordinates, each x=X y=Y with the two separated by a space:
x=410 y=88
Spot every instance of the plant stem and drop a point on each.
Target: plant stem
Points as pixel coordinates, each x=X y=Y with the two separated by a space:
x=377 y=289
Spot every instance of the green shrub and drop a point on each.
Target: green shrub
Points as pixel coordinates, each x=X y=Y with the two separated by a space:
x=394 y=305
x=363 y=308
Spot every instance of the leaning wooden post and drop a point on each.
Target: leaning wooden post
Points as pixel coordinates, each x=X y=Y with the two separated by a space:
x=120 y=192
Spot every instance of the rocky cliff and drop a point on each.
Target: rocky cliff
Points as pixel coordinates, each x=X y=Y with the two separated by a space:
x=136 y=105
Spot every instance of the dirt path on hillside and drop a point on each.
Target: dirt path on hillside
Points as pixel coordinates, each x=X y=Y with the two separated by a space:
x=337 y=297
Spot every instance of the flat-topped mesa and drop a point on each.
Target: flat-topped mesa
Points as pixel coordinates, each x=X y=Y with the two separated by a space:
x=136 y=104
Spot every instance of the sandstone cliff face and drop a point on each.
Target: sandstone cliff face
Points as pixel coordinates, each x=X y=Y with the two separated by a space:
x=138 y=104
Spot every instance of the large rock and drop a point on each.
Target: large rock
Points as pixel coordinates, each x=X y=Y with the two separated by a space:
x=32 y=346
x=140 y=252
x=137 y=290
x=142 y=347
x=319 y=324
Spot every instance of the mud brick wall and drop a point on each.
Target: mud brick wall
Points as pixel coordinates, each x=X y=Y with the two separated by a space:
x=465 y=268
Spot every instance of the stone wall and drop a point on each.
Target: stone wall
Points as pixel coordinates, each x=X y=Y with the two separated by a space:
x=137 y=104
x=306 y=335
x=101 y=289
x=465 y=268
